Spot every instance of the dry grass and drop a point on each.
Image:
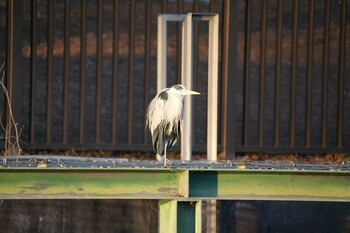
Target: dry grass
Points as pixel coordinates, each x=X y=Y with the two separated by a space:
x=12 y=145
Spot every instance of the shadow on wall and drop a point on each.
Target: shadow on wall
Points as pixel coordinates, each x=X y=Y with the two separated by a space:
x=142 y=216
x=284 y=217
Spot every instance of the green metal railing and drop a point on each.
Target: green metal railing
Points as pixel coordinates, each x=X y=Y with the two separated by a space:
x=180 y=188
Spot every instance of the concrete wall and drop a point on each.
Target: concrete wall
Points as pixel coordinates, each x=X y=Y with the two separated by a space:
x=141 y=216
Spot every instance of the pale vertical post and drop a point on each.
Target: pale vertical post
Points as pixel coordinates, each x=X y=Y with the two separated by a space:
x=184 y=185
x=161 y=53
x=186 y=134
x=213 y=47
x=213 y=87
x=198 y=217
x=187 y=76
x=167 y=216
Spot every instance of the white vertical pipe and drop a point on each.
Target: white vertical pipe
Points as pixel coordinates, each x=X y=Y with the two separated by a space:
x=161 y=53
x=212 y=109
x=186 y=136
x=187 y=76
x=213 y=87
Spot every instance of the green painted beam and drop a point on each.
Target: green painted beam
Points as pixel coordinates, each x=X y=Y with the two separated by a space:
x=102 y=183
x=271 y=185
x=180 y=184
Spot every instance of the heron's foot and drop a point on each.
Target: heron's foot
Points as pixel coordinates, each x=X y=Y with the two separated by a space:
x=166 y=162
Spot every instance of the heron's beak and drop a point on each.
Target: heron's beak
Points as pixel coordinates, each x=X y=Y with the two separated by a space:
x=189 y=92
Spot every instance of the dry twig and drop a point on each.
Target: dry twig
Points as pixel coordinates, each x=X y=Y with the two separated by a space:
x=10 y=146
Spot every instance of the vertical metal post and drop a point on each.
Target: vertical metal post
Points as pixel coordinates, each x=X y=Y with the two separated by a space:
x=195 y=8
x=66 y=71
x=213 y=87
x=147 y=57
x=167 y=216
x=186 y=79
x=310 y=50
x=161 y=53
x=187 y=75
x=99 y=48
x=261 y=104
x=232 y=28
x=325 y=70
x=293 y=78
x=212 y=109
x=246 y=75
x=115 y=58
x=341 y=73
x=131 y=70
x=278 y=58
x=224 y=67
x=180 y=216
x=82 y=70
x=186 y=138
x=14 y=61
x=49 y=123
x=179 y=44
x=162 y=47
x=33 y=63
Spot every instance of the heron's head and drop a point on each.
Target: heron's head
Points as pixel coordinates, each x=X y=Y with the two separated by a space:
x=181 y=89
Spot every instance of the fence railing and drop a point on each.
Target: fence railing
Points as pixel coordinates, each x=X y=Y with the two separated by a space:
x=294 y=88
x=83 y=72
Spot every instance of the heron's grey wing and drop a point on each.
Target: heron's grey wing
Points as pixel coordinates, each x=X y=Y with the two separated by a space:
x=157 y=139
x=174 y=135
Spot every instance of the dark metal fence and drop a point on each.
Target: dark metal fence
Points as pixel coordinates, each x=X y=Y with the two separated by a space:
x=295 y=91
x=83 y=72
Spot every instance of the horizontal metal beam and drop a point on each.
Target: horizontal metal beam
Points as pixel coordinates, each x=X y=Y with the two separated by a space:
x=271 y=185
x=180 y=184
x=46 y=183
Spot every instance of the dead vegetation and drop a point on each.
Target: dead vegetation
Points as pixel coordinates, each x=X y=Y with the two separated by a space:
x=12 y=142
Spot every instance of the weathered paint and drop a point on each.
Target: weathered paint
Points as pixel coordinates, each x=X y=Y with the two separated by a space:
x=284 y=186
x=88 y=183
x=167 y=216
x=180 y=184
x=271 y=185
x=180 y=191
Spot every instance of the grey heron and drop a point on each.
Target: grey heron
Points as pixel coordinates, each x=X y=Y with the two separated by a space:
x=164 y=118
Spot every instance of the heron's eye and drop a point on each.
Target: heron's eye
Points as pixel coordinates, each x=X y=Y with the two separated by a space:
x=179 y=87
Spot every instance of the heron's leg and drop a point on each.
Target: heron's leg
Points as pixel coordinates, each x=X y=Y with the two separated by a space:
x=165 y=159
